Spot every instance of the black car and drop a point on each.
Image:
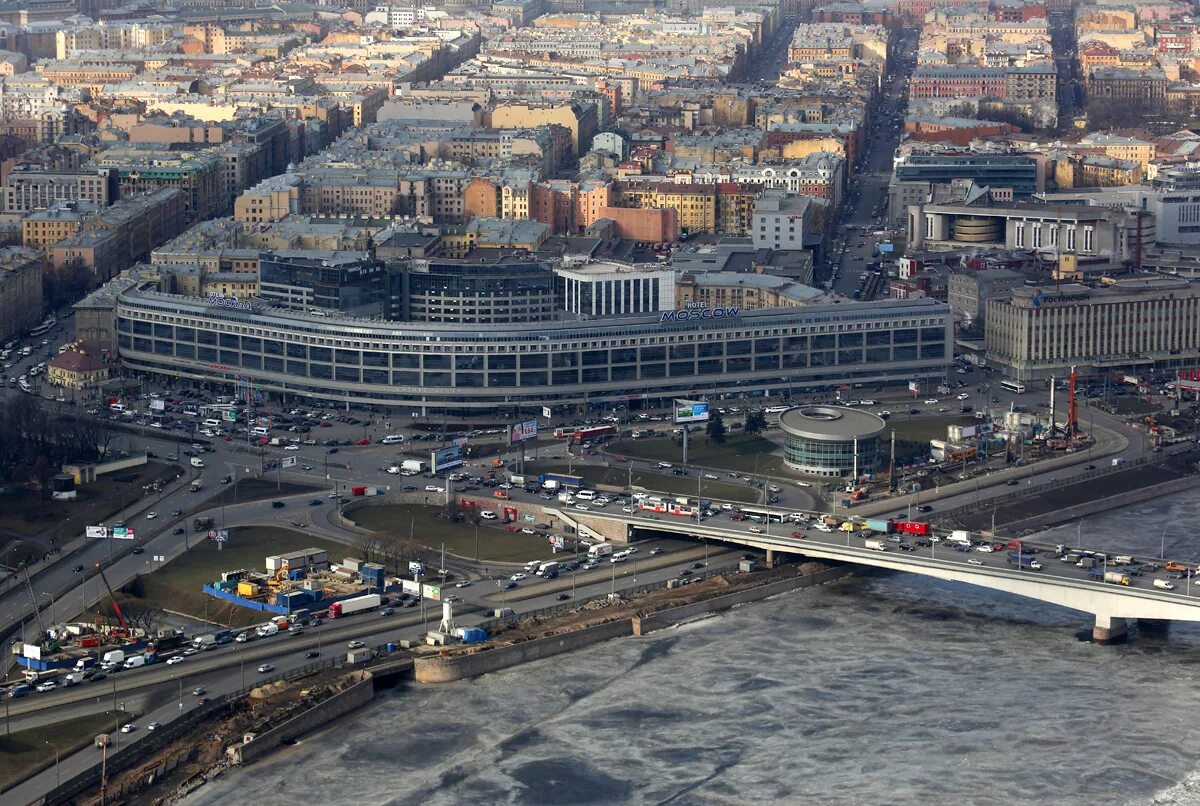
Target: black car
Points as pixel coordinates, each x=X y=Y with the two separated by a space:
x=332 y=450
x=562 y=597
x=77 y=569
x=925 y=508
x=316 y=502
x=312 y=653
x=138 y=550
x=277 y=505
x=510 y=585
x=178 y=530
x=175 y=513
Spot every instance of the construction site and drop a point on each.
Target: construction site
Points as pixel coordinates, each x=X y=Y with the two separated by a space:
x=300 y=580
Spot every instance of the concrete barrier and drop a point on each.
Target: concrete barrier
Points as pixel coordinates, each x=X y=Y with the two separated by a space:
x=345 y=701
x=438 y=669
x=644 y=625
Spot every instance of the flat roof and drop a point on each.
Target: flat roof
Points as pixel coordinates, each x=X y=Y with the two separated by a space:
x=830 y=423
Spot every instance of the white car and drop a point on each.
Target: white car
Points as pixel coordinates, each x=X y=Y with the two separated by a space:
x=974 y=561
x=49 y=685
x=664 y=465
x=466 y=583
x=756 y=530
x=710 y=476
x=933 y=401
x=984 y=549
x=517 y=577
x=355 y=645
x=175 y=660
x=128 y=728
x=962 y=396
x=803 y=484
x=506 y=486
x=151 y=516
x=627 y=510
x=527 y=531
x=581 y=508
x=292 y=448
x=488 y=516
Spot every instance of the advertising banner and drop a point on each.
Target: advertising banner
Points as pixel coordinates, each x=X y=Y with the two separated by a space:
x=690 y=411
x=96 y=531
x=445 y=458
x=415 y=568
x=522 y=432
x=289 y=461
x=123 y=533
x=229 y=416
x=158 y=405
x=432 y=592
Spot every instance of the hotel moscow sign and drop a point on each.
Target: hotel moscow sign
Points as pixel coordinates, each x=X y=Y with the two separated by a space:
x=699 y=310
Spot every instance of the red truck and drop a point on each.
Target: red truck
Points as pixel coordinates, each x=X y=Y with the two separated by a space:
x=912 y=527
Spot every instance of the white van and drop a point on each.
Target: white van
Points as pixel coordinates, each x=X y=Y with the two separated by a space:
x=118 y=407
x=135 y=662
x=211 y=423
x=391 y=439
x=585 y=495
x=259 y=431
x=197 y=462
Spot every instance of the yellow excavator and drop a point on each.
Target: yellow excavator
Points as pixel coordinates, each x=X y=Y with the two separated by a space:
x=280 y=575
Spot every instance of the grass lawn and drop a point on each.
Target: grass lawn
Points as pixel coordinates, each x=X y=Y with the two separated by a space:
x=747 y=453
x=1129 y=404
x=912 y=436
x=27 y=514
x=659 y=483
x=177 y=585
x=258 y=490
x=26 y=752
x=495 y=542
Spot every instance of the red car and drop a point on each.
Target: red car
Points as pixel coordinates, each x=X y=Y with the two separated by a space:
x=363 y=442
x=229 y=438
x=326 y=424
x=798 y=535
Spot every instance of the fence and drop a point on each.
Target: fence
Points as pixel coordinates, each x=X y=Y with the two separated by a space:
x=241 y=602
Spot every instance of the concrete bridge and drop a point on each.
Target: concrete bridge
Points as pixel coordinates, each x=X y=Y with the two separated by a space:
x=1058 y=583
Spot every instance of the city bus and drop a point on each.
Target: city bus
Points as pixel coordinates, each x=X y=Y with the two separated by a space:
x=1013 y=386
x=44 y=327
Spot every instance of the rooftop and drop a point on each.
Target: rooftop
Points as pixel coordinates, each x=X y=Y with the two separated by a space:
x=830 y=423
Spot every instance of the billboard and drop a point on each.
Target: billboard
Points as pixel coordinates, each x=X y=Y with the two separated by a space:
x=229 y=416
x=546 y=412
x=522 y=432
x=96 y=531
x=445 y=458
x=122 y=533
x=158 y=405
x=690 y=411
x=288 y=461
x=432 y=592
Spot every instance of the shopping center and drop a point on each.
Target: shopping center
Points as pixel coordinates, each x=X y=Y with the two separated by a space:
x=446 y=367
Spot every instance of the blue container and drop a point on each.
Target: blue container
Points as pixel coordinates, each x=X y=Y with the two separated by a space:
x=391 y=647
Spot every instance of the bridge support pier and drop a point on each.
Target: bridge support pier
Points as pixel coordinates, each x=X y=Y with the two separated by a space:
x=770 y=558
x=1108 y=629
x=1153 y=627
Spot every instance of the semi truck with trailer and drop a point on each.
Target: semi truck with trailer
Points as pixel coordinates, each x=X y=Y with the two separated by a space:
x=562 y=479
x=1111 y=577
x=357 y=604
x=1024 y=561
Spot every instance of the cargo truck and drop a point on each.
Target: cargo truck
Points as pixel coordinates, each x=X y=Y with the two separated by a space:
x=357 y=604
x=875 y=545
x=1174 y=566
x=1024 y=561
x=960 y=536
x=412 y=466
x=114 y=657
x=913 y=528
x=202 y=523
x=600 y=550
x=551 y=485
x=1111 y=577
x=562 y=478
x=880 y=525
x=848 y=526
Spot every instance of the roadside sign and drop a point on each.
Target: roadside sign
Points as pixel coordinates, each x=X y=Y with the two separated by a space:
x=223 y=536
x=529 y=518
x=229 y=416
x=288 y=461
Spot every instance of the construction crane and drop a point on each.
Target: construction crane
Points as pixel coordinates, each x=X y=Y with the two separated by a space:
x=116 y=607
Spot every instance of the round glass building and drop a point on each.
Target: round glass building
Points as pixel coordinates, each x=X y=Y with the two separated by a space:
x=827 y=440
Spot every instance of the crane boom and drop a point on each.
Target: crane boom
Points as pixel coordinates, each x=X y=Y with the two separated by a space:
x=116 y=607
x=37 y=613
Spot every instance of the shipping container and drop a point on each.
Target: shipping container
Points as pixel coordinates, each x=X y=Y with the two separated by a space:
x=880 y=525
x=913 y=527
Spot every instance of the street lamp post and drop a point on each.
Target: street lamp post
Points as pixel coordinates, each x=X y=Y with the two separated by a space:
x=57 y=774
x=51 y=595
